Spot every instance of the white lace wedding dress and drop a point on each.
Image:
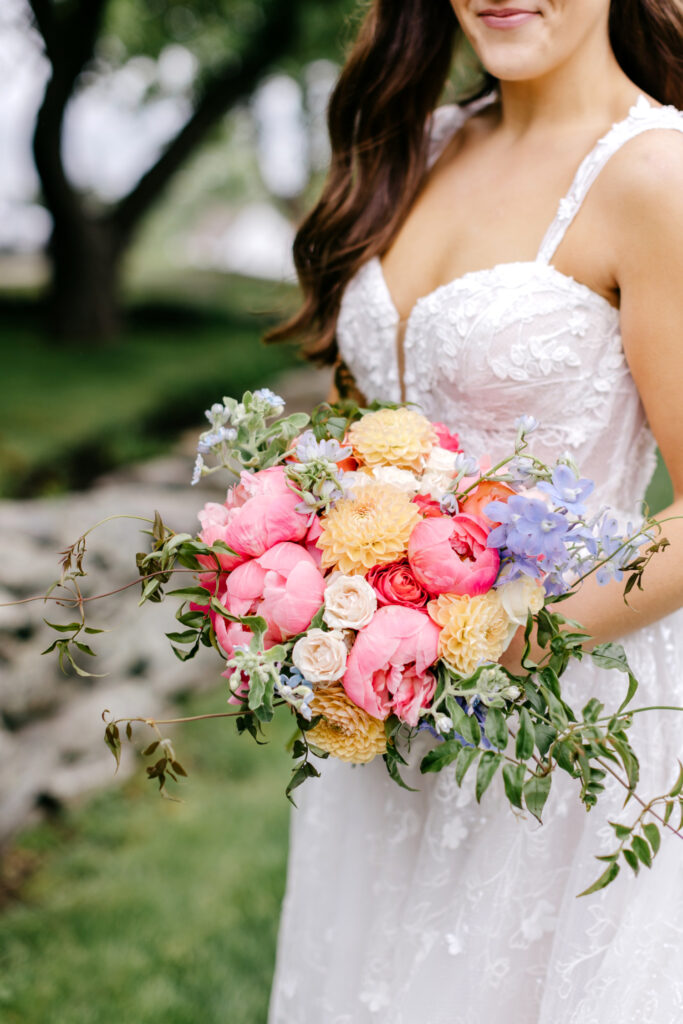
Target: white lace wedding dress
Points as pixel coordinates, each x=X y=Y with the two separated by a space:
x=427 y=908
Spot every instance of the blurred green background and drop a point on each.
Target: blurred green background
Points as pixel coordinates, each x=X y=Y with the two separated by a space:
x=157 y=154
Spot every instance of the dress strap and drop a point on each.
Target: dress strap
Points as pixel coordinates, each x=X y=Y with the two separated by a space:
x=642 y=117
x=446 y=121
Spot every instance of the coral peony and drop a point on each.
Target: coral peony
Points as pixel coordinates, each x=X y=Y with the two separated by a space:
x=488 y=490
x=284 y=585
x=345 y=730
x=258 y=513
x=450 y=554
x=395 y=583
x=474 y=629
x=387 y=671
x=370 y=529
x=392 y=437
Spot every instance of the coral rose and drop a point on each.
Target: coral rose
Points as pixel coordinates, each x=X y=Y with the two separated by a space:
x=369 y=529
x=387 y=670
x=392 y=437
x=284 y=585
x=487 y=491
x=258 y=513
x=345 y=730
x=474 y=629
x=450 y=554
x=396 y=584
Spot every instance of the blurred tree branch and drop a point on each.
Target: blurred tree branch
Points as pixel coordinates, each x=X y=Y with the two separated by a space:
x=87 y=245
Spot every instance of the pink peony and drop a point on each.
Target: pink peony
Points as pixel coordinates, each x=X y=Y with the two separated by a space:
x=258 y=513
x=395 y=583
x=387 y=671
x=451 y=442
x=284 y=585
x=450 y=555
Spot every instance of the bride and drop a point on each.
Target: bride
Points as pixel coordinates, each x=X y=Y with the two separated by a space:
x=440 y=269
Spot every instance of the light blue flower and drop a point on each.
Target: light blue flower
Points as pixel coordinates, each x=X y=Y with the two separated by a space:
x=528 y=528
x=197 y=471
x=567 y=489
x=270 y=399
x=308 y=449
x=465 y=465
x=525 y=424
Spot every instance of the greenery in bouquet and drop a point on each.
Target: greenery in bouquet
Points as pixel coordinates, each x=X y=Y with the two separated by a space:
x=365 y=576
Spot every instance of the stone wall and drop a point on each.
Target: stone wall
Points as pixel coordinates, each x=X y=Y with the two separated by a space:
x=51 y=745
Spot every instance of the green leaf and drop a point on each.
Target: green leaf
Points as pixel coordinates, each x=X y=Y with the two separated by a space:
x=631 y=860
x=69 y=627
x=485 y=771
x=183 y=655
x=495 y=728
x=604 y=880
x=392 y=759
x=668 y=811
x=198 y=592
x=465 y=758
x=179 y=768
x=92 y=630
x=300 y=774
x=544 y=734
x=678 y=785
x=621 y=831
x=113 y=741
x=536 y=791
x=513 y=780
x=642 y=851
x=84 y=647
x=187 y=637
x=148 y=751
x=441 y=756
x=526 y=738
x=129 y=730
x=652 y=835
x=613 y=656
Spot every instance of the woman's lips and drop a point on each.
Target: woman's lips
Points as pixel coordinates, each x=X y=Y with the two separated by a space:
x=506 y=18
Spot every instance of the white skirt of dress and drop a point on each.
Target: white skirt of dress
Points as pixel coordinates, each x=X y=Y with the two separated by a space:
x=428 y=908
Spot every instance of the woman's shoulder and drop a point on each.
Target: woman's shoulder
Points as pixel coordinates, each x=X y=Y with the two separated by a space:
x=646 y=173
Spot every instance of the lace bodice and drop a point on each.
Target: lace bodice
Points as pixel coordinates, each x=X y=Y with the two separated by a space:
x=516 y=338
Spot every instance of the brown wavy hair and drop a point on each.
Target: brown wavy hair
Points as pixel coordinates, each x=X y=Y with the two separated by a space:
x=391 y=82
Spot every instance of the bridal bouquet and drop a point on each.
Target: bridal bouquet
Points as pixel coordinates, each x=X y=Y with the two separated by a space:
x=365 y=576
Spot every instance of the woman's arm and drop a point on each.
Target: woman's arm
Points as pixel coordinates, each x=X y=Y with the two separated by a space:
x=647 y=192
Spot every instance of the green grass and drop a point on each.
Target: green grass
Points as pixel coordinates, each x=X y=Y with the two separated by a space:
x=150 y=912
x=71 y=412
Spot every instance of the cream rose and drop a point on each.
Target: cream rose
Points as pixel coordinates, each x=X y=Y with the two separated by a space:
x=350 y=602
x=320 y=656
x=439 y=472
x=401 y=479
x=520 y=597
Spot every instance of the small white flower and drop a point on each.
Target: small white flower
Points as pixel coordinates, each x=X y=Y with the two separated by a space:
x=443 y=724
x=350 y=602
x=320 y=656
x=197 y=471
x=401 y=479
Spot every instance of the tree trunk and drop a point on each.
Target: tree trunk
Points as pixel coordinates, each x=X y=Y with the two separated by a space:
x=83 y=301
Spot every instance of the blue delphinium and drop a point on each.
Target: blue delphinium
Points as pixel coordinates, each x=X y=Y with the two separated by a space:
x=528 y=528
x=567 y=490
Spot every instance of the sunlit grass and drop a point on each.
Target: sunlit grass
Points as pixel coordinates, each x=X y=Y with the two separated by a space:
x=145 y=911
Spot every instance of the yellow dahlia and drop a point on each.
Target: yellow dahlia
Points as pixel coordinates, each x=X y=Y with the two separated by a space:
x=345 y=730
x=393 y=437
x=369 y=529
x=473 y=629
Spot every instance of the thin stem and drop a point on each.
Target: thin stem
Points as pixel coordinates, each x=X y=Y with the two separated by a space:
x=646 y=807
x=70 y=602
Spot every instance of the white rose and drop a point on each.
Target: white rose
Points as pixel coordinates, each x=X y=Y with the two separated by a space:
x=439 y=473
x=321 y=656
x=401 y=479
x=520 y=597
x=350 y=602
